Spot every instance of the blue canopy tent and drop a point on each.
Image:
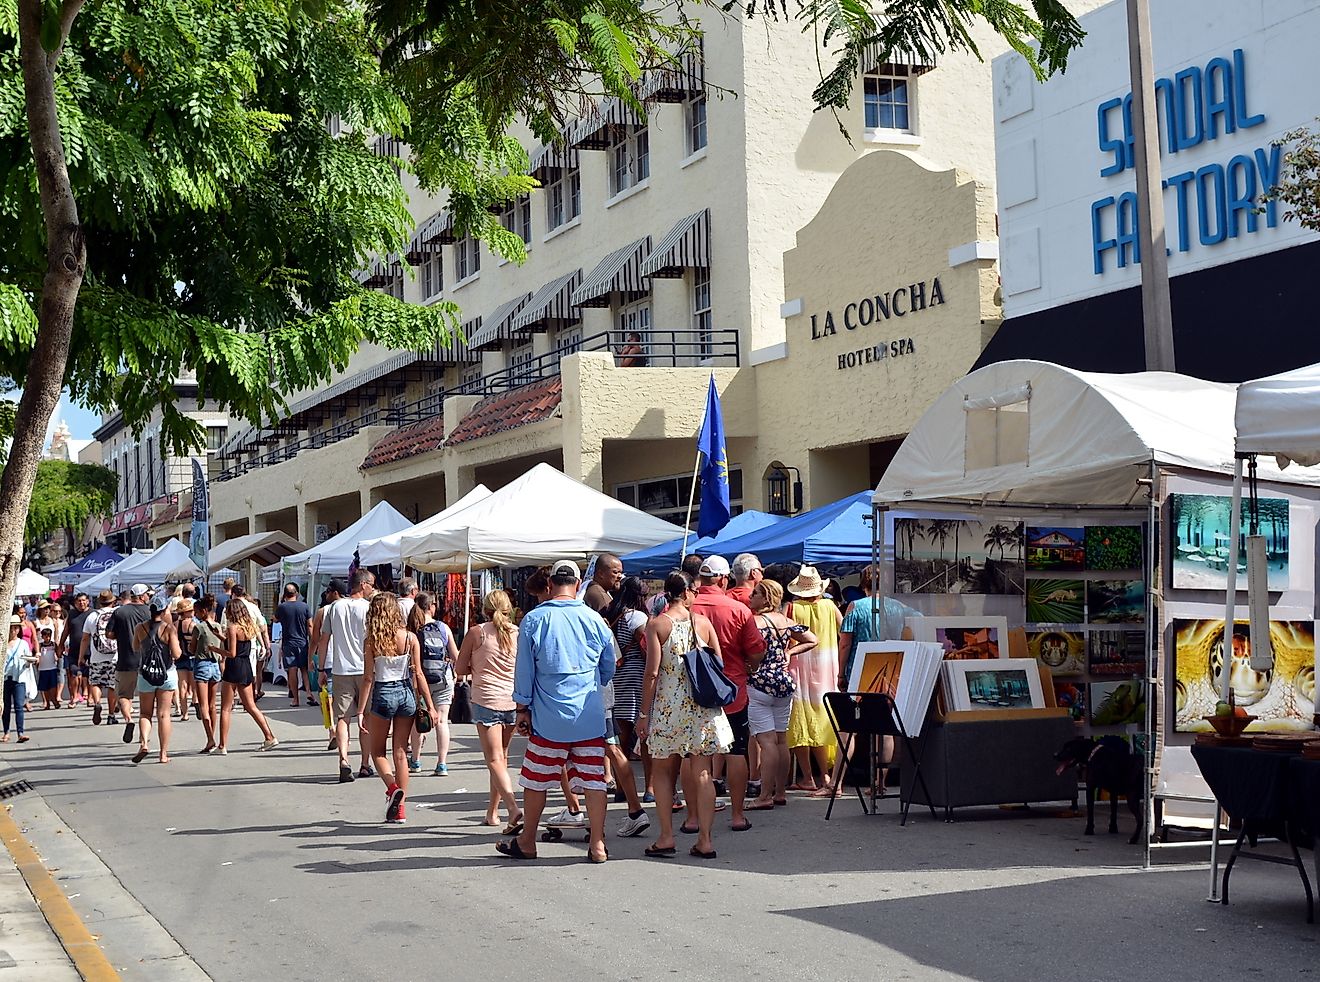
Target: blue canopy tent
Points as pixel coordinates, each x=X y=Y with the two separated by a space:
x=837 y=534
x=667 y=555
x=98 y=562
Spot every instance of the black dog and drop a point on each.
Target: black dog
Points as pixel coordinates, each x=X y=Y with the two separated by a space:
x=1107 y=764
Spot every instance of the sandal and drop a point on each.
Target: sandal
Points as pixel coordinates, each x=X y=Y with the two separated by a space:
x=140 y=756
x=24 y=739
x=756 y=806
x=510 y=848
x=740 y=828
x=661 y=852
x=593 y=859
x=694 y=851
x=687 y=831
x=366 y=772
x=513 y=828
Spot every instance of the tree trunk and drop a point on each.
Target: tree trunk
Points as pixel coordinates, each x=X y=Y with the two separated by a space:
x=66 y=258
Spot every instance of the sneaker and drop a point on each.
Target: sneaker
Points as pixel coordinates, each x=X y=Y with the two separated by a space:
x=634 y=826
x=569 y=820
x=394 y=808
x=721 y=789
x=753 y=789
x=414 y=766
x=721 y=804
x=96 y=715
x=441 y=770
x=648 y=798
x=346 y=775
x=222 y=751
x=399 y=819
x=270 y=744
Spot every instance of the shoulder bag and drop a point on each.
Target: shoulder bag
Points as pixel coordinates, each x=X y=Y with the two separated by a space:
x=711 y=688
x=421 y=715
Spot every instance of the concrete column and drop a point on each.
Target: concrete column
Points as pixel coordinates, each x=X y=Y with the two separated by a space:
x=459 y=480
x=581 y=426
x=306 y=523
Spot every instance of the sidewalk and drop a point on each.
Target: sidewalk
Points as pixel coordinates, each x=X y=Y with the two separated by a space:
x=29 y=949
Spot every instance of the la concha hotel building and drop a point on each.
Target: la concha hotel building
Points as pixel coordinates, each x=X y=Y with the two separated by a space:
x=834 y=286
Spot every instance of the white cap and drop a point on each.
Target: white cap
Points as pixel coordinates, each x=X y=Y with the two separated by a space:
x=140 y=590
x=566 y=567
x=714 y=566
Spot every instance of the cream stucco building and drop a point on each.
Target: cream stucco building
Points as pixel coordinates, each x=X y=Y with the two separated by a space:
x=833 y=285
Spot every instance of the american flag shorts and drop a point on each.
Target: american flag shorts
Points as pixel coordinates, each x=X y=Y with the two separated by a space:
x=545 y=760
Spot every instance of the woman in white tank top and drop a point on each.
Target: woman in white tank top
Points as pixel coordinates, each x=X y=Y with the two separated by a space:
x=393 y=686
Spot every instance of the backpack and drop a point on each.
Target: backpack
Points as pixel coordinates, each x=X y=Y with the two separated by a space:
x=434 y=639
x=154 y=668
x=100 y=641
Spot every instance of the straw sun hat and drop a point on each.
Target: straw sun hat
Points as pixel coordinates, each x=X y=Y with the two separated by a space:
x=808 y=583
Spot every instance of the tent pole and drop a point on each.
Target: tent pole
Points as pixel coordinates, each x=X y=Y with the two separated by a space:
x=1226 y=646
x=877 y=573
x=692 y=495
x=1153 y=655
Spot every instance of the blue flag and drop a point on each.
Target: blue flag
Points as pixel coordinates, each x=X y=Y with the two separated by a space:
x=714 y=514
x=200 y=542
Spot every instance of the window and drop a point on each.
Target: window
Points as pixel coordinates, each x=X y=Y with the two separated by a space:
x=568 y=341
x=636 y=319
x=998 y=430
x=137 y=473
x=521 y=364
x=696 y=123
x=667 y=497
x=467 y=258
x=630 y=160
x=563 y=199
x=888 y=102
x=517 y=218
x=215 y=436
x=151 y=470
x=701 y=319
x=470 y=381
x=334 y=124
x=433 y=275
x=395 y=286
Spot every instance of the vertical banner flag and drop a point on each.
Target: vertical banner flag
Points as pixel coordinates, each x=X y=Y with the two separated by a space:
x=200 y=541
x=714 y=514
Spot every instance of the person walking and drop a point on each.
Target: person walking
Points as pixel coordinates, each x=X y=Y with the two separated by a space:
x=209 y=645
x=18 y=676
x=439 y=655
x=295 y=620
x=673 y=725
x=75 y=673
x=156 y=642
x=124 y=622
x=393 y=663
x=627 y=618
x=565 y=657
x=488 y=656
x=319 y=657
x=809 y=733
x=770 y=689
x=236 y=673
x=346 y=624
x=96 y=654
x=182 y=612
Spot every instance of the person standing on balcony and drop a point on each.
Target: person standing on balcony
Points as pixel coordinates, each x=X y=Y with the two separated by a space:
x=632 y=354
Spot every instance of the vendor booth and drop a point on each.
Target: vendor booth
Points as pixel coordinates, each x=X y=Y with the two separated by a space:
x=333 y=556
x=106 y=580
x=1081 y=520
x=30 y=583
x=262 y=548
x=385 y=549
x=102 y=559
x=659 y=560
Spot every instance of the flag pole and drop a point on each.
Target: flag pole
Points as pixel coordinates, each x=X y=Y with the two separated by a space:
x=687 y=523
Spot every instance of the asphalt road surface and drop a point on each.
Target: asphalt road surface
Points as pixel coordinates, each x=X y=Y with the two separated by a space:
x=261 y=866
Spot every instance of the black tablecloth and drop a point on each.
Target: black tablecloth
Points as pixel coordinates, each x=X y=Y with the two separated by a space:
x=1304 y=794
x=1251 y=785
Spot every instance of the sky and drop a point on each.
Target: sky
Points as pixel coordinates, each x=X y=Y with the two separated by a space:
x=82 y=423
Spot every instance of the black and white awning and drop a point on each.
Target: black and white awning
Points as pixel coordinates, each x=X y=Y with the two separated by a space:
x=551 y=306
x=425 y=241
x=602 y=123
x=686 y=246
x=496 y=329
x=619 y=272
x=901 y=60
x=551 y=159
x=678 y=81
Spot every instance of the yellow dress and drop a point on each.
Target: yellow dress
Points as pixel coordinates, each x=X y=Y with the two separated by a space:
x=815 y=673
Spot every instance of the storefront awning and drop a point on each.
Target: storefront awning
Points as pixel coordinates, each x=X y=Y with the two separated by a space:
x=676 y=82
x=495 y=329
x=398 y=362
x=425 y=240
x=596 y=130
x=620 y=271
x=686 y=246
x=551 y=306
x=897 y=61
x=551 y=159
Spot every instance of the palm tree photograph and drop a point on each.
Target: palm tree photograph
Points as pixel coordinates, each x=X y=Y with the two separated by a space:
x=939 y=555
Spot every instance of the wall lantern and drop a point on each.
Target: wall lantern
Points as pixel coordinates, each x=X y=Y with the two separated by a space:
x=783 y=490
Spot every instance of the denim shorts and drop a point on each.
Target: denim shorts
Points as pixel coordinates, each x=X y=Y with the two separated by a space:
x=390 y=700
x=170 y=684
x=206 y=671
x=492 y=717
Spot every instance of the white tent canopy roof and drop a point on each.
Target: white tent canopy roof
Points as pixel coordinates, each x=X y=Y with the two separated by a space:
x=31 y=584
x=169 y=563
x=1280 y=415
x=376 y=552
x=334 y=555
x=116 y=573
x=543 y=515
x=1089 y=437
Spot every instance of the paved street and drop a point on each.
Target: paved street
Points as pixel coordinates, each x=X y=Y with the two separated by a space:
x=261 y=864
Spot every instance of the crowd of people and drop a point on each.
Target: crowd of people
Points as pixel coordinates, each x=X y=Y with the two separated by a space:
x=594 y=675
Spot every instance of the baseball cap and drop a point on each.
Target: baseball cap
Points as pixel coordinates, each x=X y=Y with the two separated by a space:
x=566 y=567
x=140 y=590
x=159 y=602
x=714 y=566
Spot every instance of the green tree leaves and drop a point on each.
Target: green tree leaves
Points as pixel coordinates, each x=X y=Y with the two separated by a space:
x=66 y=495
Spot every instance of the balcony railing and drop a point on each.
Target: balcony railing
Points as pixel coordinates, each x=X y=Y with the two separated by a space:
x=661 y=349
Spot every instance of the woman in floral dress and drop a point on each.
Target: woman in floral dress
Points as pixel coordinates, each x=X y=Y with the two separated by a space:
x=675 y=726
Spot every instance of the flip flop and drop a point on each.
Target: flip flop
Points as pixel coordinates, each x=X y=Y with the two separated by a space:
x=758 y=808
x=593 y=859
x=24 y=739
x=513 y=828
x=687 y=831
x=510 y=848
x=740 y=828
x=697 y=853
x=140 y=755
x=658 y=852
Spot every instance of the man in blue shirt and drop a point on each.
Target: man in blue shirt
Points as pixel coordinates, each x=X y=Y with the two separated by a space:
x=565 y=656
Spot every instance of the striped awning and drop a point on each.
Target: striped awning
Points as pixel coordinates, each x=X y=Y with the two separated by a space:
x=438 y=230
x=375 y=276
x=349 y=383
x=597 y=129
x=551 y=306
x=457 y=350
x=899 y=61
x=496 y=329
x=619 y=272
x=425 y=241
x=679 y=81
x=686 y=246
x=551 y=159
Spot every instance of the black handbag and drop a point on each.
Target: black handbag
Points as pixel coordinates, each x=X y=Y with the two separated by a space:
x=422 y=715
x=711 y=688
x=460 y=710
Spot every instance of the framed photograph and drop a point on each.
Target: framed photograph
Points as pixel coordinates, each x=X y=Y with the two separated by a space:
x=1114 y=547
x=1056 y=601
x=905 y=670
x=1116 y=602
x=1062 y=651
x=964 y=637
x=1118 y=703
x=1116 y=653
x=1007 y=683
x=1072 y=697
x=1059 y=549
x=1282 y=698
x=877 y=666
x=936 y=555
x=1199 y=527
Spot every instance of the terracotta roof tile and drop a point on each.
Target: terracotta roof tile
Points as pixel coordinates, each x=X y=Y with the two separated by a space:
x=509 y=410
x=407 y=441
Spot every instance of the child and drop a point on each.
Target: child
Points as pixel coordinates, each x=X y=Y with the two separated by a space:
x=48 y=670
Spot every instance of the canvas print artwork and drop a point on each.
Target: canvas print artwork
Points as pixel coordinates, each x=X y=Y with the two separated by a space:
x=1282 y=698
x=1118 y=703
x=1117 y=654
x=1006 y=683
x=1062 y=652
x=1116 y=602
x=1055 y=601
x=1061 y=549
x=1114 y=547
x=1072 y=697
x=879 y=672
x=964 y=637
x=936 y=555
x=1199 y=527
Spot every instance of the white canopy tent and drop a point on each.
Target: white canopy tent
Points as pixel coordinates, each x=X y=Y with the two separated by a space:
x=542 y=516
x=376 y=552
x=333 y=556
x=169 y=563
x=31 y=584
x=107 y=579
x=263 y=548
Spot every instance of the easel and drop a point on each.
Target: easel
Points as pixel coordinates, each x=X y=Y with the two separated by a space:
x=872 y=715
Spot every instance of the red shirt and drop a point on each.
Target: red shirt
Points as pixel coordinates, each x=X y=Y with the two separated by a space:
x=743 y=594
x=739 y=637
